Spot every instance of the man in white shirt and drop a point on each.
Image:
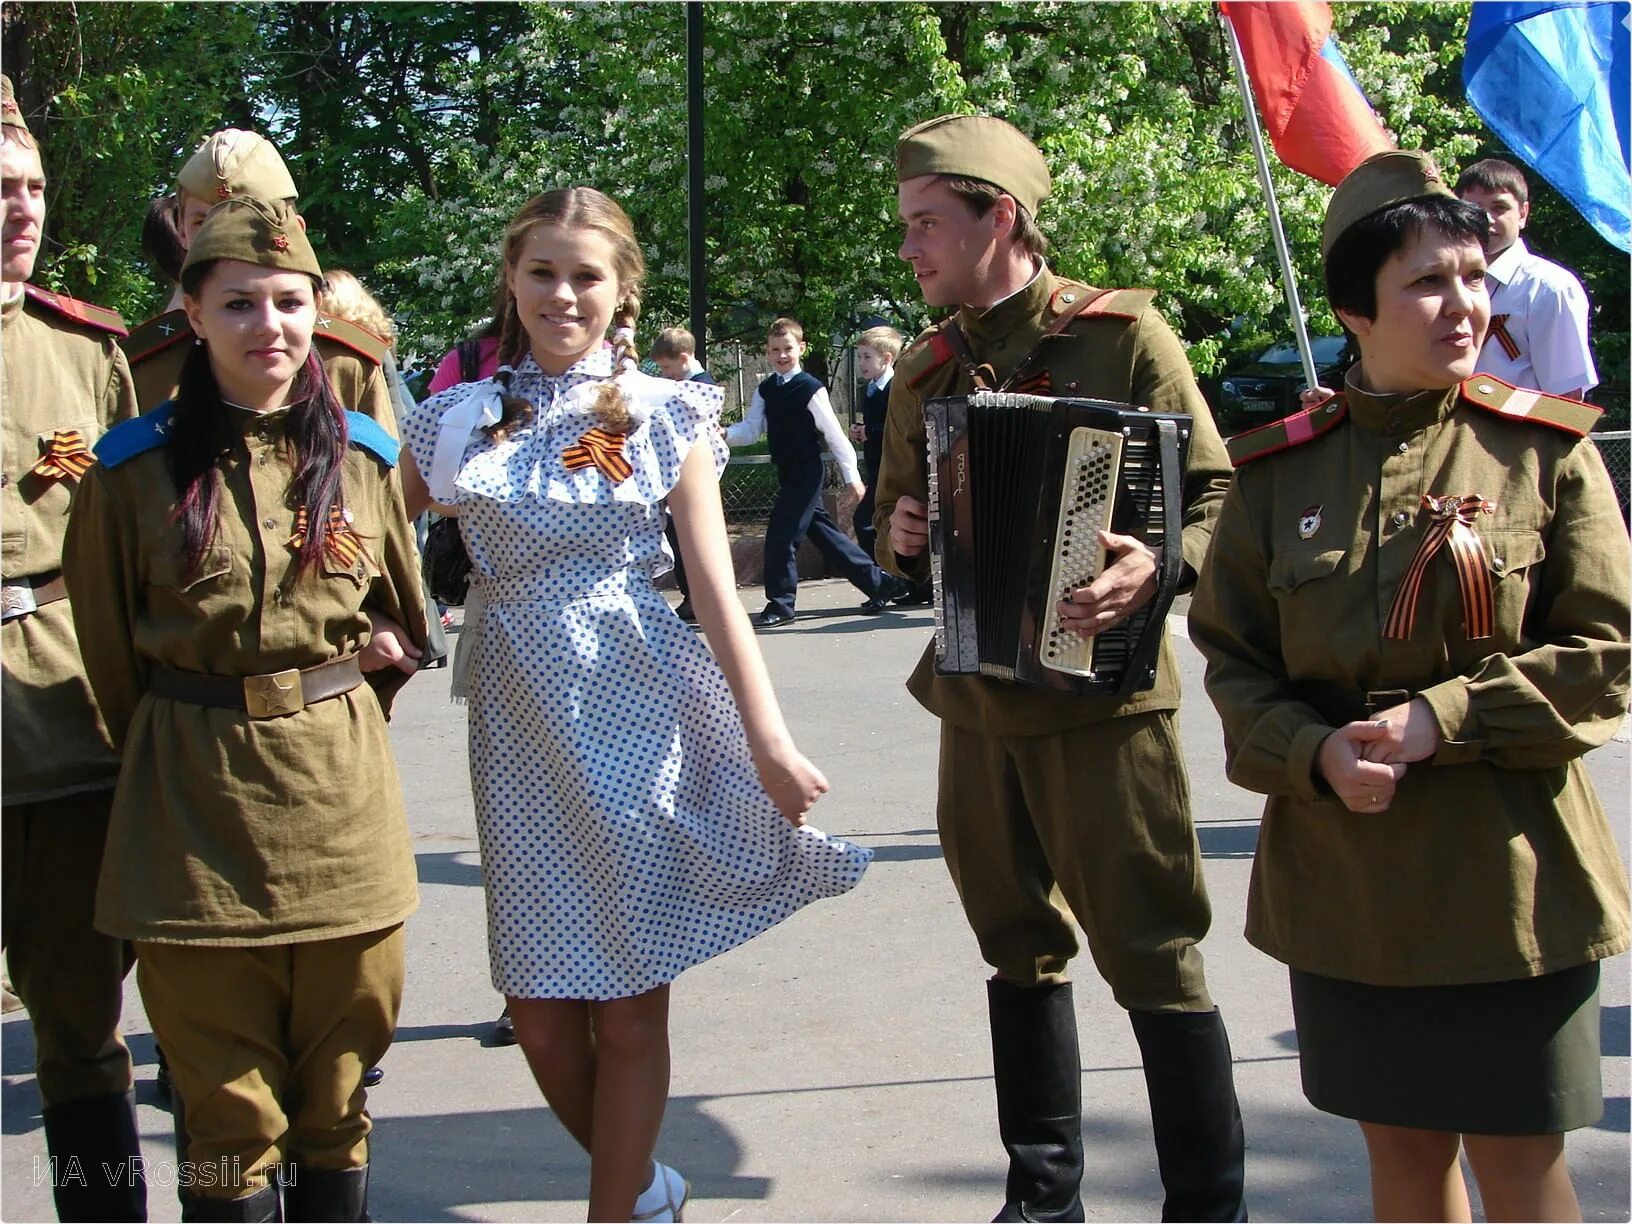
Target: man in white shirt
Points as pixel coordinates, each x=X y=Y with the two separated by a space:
x=794 y=409
x=1538 y=310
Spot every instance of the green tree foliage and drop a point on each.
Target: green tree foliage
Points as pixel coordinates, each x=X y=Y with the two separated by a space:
x=415 y=130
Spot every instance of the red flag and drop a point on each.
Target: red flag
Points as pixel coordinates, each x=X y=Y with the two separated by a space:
x=1318 y=120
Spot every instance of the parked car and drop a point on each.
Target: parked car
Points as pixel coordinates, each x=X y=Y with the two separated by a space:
x=1268 y=389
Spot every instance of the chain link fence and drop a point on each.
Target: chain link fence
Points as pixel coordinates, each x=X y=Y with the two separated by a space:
x=749 y=484
x=1616 y=449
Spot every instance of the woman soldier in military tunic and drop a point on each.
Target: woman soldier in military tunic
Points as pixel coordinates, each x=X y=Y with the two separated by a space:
x=240 y=563
x=1415 y=618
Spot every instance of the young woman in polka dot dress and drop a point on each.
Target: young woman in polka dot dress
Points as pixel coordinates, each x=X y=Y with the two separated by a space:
x=640 y=803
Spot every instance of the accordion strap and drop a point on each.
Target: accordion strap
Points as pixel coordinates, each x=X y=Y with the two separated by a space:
x=981 y=374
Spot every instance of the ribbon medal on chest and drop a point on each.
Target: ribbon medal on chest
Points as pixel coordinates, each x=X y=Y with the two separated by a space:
x=602 y=449
x=340 y=543
x=66 y=457
x=1450 y=526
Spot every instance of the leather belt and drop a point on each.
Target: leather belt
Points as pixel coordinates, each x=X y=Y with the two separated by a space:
x=20 y=596
x=1339 y=705
x=270 y=696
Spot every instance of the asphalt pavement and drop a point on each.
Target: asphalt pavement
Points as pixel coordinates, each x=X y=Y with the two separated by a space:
x=837 y=1067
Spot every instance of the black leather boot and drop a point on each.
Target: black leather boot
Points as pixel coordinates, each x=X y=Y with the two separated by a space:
x=260 y=1206
x=1200 y=1146
x=96 y=1159
x=324 y=1196
x=1038 y=1073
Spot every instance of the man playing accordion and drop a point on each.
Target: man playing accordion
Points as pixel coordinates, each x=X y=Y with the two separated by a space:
x=1054 y=805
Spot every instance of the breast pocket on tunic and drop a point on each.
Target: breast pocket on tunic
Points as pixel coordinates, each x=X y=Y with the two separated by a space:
x=1512 y=555
x=168 y=569
x=353 y=565
x=1290 y=573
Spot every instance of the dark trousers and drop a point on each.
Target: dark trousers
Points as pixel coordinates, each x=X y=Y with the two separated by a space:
x=866 y=536
x=69 y=974
x=679 y=561
x=798 y=512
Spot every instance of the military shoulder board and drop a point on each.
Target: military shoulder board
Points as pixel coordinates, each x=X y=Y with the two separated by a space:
x=927 y=354
x=1519 y=404
x=367 y=433
x=358 y=339
x=99 y=317
x=131 y=438
x=156 y=335
x=1281 y=435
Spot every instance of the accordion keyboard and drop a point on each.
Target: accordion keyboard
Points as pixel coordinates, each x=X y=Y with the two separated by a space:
x=1087 y=504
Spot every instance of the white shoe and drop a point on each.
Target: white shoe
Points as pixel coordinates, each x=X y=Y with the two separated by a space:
x=663 y=1199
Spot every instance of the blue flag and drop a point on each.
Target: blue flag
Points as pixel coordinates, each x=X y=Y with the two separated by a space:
x=1552 y=79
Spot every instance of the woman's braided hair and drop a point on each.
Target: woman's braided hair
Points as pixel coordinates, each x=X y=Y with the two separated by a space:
x=571 y=208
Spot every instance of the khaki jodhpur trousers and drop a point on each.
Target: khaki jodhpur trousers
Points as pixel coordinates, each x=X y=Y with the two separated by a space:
x=267 y=1047
x=1092 y=823
x=69 y=974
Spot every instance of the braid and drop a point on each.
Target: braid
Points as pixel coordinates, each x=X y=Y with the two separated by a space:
x=611 y=407
x=512 y=347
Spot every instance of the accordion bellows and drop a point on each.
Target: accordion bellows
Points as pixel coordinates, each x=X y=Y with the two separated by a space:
x=1019 y=487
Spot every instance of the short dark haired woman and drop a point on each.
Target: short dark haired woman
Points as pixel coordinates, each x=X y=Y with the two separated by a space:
x=1415 y=619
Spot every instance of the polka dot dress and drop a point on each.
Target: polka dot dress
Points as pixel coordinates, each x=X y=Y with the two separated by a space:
x=624 y=833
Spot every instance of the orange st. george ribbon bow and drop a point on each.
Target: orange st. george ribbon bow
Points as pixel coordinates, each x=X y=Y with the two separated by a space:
x=1452 y=525
x=604 y=450
x=340 y=542
x=66 y=457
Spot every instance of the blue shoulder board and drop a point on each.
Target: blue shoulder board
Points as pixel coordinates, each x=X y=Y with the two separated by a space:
x=131 y=438
x=367 y=433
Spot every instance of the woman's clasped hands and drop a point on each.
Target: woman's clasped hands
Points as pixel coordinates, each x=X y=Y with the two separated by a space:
x=1364 y=761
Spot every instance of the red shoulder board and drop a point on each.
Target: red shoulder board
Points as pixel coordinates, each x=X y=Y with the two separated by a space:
x=156 y=335
x=358 y=339
x=1519 y=404
x=1284 y=434
x=99 y=317
x=1108 y=303
x=931 y=351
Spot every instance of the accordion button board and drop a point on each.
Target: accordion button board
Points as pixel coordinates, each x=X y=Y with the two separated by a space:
x=1087 y=506
x=1019 y=488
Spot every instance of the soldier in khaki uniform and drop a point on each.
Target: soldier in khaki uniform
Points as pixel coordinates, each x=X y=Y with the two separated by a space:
x=1051 y=806
x=258 y=847
x=1415 y=617
x=230 y=164
x=66 y=382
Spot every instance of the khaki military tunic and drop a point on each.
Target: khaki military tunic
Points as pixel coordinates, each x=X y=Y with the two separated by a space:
x=229 y=830
x=352 y=356
x=60 y=373
x=1129 y=355
x=1050 y=820
x=1494 y=860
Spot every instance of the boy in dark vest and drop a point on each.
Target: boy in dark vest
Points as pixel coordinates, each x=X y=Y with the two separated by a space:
x=792 y=407
x=675 y=351
x=876 y=351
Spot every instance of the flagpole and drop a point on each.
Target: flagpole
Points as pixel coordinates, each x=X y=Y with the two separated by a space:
x=1299 y=331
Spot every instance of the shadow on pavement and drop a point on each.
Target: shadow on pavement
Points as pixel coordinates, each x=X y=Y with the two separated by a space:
x=1221 y=840
x=520 y=1156
x=457 y=867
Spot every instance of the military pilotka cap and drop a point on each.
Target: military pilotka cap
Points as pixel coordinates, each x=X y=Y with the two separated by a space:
x=1382 y=180
x=977 y=147
x=264 y=232
x=234 y=163
x=11 y=115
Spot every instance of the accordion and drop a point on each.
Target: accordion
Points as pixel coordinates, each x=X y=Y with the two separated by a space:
x=1019 y=485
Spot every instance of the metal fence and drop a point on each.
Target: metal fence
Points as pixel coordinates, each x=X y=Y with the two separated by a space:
x=1616 y=448
x=749 y=484
x=748 y=487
